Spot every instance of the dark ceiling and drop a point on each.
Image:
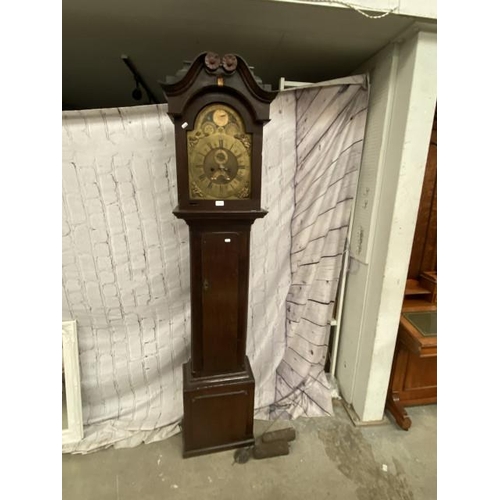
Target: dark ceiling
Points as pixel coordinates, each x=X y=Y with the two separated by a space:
x=300 y=42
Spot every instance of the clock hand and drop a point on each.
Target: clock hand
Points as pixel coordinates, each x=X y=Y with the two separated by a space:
x=225 y=169
x=218 y=174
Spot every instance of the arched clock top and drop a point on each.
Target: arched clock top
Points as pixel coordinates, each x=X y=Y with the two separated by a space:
x=219 y=110
x=202 y=99
x=211 y=73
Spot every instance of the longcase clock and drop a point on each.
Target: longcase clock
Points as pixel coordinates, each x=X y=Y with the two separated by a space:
x=218 y=108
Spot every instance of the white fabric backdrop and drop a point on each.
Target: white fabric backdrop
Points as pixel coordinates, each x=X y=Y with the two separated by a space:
x=329 y=139
x=126 y=267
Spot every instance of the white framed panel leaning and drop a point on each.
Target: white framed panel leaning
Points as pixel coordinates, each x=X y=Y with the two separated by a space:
x=73 y=431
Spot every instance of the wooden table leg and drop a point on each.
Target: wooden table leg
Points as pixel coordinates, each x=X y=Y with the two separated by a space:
x=398 y=411
x=393 y=404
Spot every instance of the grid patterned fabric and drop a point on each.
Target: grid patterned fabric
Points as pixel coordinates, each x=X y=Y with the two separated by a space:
x=126 y=260
x=328 y=143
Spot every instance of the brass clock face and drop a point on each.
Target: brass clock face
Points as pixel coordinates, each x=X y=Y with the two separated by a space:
x=219 y=155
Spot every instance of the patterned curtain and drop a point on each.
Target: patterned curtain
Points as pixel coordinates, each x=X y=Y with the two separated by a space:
x=329 y=141
x=126 y=260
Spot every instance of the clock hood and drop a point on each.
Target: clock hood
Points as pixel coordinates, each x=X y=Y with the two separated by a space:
x=210 y=72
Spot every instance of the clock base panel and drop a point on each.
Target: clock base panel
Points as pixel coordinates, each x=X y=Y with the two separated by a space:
x=218 y=411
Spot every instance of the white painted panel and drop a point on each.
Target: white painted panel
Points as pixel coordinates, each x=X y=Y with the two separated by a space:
x=395 y=163
x=408 y=143
x=71 y=373
x=422 y=8
x=382 y=76
x=382 y=73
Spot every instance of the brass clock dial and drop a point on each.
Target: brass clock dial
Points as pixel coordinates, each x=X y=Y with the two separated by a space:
x=219 y=155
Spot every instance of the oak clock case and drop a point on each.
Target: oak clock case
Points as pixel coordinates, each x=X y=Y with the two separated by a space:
x=219 y=109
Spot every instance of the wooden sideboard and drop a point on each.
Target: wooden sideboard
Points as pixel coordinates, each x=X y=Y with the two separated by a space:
x=413 y=378
x=414 y=371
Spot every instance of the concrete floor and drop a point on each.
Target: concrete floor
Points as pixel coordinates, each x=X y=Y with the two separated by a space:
x=330 y=459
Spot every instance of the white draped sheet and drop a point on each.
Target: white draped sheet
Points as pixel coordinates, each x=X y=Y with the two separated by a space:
x=126 y=260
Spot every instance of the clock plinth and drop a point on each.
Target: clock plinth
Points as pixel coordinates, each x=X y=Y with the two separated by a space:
x=219 y=110
x=218 y=411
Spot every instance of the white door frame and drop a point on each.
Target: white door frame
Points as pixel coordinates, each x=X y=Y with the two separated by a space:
x=74 y=432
